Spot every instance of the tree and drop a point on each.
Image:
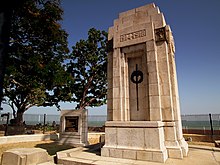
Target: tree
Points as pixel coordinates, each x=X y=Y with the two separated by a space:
x=5 y=21
x=37 y=47
x=88 y=67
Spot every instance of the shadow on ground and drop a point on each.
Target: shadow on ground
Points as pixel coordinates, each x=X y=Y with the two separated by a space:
x=53 y=147
x=95 y=148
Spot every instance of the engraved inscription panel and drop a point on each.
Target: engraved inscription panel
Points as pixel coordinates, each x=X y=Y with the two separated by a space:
x=133 y=35
x=71 y=123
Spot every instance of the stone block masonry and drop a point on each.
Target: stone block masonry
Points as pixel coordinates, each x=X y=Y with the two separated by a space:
x=25 y=156
x=144 y=121
x=74 y=127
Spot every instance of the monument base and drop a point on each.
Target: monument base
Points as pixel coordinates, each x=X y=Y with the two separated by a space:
x=184 y=146
x=72 y=139
x=139 y=140
x=146 y=155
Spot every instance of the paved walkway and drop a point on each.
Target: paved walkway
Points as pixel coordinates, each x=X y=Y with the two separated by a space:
x=198 y=155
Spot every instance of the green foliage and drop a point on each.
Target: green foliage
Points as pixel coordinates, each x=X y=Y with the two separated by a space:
x=38 y=46
x=88 y=67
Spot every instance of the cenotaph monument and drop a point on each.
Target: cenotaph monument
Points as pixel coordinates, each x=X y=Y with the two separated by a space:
x=144 y=121
x=74 y=127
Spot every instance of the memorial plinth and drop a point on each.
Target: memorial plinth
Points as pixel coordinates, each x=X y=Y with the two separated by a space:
x=25 y=156
x=144 y=121
x=74 y=127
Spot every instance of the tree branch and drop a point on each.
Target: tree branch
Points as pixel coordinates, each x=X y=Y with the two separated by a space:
x=91 y=100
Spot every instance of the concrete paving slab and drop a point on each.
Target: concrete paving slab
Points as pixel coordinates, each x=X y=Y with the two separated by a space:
x=217 y=156
x=205 y=147
x=197 y=156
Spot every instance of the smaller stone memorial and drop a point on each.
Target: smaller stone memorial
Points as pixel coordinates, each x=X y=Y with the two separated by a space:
x=25 y=156
x=74 y=127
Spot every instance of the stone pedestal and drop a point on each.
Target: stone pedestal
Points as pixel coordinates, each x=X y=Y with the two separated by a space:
x=141 y=140
x=74 y=127
x=24 y=156
x=143 y=110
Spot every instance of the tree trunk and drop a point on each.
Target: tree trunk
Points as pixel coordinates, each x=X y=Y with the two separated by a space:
x=19 y=117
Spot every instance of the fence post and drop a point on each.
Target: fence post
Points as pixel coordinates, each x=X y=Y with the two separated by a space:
x=219 y=124
x=44 y=123
x=210 y=119
x=6 y=127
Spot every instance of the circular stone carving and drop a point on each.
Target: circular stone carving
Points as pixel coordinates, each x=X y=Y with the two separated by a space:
x=137 y=76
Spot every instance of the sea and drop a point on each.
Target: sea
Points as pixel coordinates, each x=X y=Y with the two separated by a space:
x=201 y=121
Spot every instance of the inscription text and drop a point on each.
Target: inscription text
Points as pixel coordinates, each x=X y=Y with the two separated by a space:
x=133 y=35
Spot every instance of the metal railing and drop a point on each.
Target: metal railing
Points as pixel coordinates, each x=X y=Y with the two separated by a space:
x=33 y=119
x=200 y=122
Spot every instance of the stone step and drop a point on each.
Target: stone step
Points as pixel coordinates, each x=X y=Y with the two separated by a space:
x=217 y=143
x=73 y=143
x=48 y=163
x=71 y=133
x=70 y=136
x=69 y=140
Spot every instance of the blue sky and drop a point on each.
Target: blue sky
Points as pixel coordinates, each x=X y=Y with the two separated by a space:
x=196 y=29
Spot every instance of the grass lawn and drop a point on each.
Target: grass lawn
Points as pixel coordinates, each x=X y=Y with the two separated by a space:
x=51 y=146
